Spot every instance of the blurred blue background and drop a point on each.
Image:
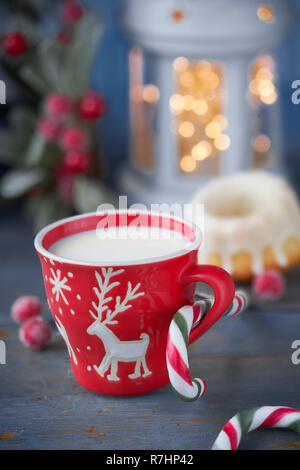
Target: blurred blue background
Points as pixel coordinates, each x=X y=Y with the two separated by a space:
x=110 y=77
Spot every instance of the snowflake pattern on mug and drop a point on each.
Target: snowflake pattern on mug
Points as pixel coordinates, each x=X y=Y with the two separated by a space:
x=59 y=285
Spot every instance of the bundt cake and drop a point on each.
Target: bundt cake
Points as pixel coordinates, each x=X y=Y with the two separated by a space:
x=251 y=223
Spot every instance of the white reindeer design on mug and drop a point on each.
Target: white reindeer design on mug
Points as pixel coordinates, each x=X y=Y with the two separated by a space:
x=115 y=349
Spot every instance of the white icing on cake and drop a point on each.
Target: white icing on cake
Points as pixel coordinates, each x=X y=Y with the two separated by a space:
x=247 y=212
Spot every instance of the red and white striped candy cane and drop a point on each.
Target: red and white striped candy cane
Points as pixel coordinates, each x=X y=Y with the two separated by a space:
x=256 y=418
x=177 y=345
x=239 y=304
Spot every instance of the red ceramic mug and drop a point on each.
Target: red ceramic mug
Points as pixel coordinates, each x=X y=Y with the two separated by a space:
x=120 y=348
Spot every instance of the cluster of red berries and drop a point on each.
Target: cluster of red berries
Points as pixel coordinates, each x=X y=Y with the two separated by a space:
x=73 y=139
x=71 y=13
x=35 y=332
x=56 y=123
x=15 y=44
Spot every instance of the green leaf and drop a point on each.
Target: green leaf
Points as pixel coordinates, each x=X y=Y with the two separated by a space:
x=15 y=183
x=61 y=68
x=89 y=194
x=35 y=150
x=51 y=58
x=31 y=74
x=76 y=70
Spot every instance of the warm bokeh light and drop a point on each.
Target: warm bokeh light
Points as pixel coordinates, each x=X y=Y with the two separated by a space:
x=188 y=164
x=186 y=129
x=200 y=107
x=197 y=105
x=176 y=103
x=150 y=94
x=213 y=130
x=187 y=79
x=261 y=143
x=264 y=73
x=180 y=64
x=265 y=13
x=266 y=87
x=262 y=86
x=221 y=120
x=188 y=102
x=213 y=80
x=263 y=93
x=177 y=15
x=202 y=150
x=270 y=99
x=222 y=142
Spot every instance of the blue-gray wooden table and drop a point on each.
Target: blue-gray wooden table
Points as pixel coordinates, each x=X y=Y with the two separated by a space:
x=246 y=362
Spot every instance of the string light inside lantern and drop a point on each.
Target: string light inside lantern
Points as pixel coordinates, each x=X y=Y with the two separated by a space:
x=262 y=85
x=197 y=107
x=263 y=94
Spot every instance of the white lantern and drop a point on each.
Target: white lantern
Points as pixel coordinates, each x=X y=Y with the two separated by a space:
x=203 y=94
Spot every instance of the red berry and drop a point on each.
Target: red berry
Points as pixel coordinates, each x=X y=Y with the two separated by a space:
x=25 y=307
x=15 y=44
x=35 y=333
x=74 y=138
x=59 y=105
x=48 y=129
x=76 y=162
x=269 y=285
x=72 y=12
x=92 y=106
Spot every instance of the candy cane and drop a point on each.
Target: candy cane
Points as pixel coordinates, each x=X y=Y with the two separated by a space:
x=239 y=304
x=256 y=418
x=177 y=345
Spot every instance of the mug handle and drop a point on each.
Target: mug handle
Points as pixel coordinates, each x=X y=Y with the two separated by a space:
x=224 y=290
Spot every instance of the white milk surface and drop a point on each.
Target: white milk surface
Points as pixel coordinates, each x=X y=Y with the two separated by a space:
x=118 y=245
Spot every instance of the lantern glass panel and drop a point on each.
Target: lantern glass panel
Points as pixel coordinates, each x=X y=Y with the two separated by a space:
x=144 y=96
x=263 y=95
x=199 y=123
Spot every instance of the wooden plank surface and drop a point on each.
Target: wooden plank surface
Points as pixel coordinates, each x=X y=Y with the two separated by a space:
x=245 y=360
